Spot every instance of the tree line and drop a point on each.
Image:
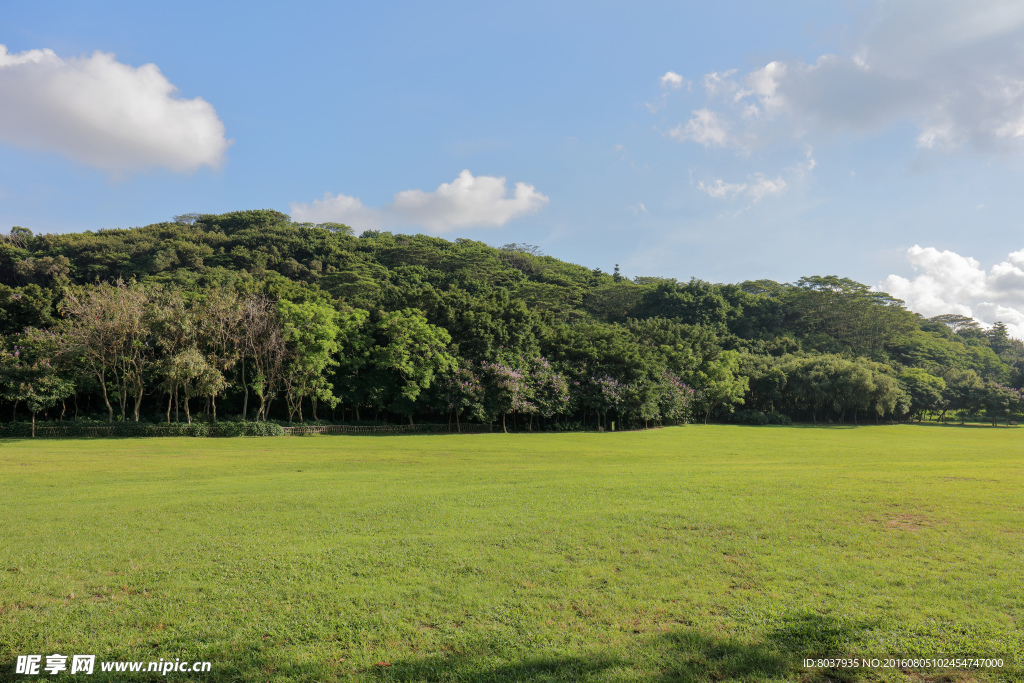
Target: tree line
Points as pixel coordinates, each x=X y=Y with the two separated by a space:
x=250 y=316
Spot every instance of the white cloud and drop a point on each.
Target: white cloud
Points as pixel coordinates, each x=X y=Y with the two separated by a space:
x=705 y=128
x=715 y=83
x=465 y=202
x=673 y=81
x=954 y=70
x=762 y=187
x=102 y=113
x=809 y=155
x=947 y=282
x=756 y=188
x=721 y=189
x=338 y=209
x=669 y=82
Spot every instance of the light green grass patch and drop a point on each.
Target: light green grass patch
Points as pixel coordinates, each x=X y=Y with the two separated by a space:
x=689 y=554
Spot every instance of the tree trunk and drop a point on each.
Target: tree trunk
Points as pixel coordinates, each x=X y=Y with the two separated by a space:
x=106 y=399
x=33 y=424
x=245 y=390
x=503 y=428
x=410 y=420
x=188 y=415
x=124 y=400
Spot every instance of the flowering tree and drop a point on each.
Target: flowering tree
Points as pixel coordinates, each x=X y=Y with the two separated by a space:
x=550 y=388
x=675 y=402
x=602 y=393
x=506 y=389
x=460 y=392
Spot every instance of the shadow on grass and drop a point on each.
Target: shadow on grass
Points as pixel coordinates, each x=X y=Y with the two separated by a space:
x=681 y=656
x=695 y=656
x=957 y=425
x=474 y=668
x=850 y=425
x=812 y=425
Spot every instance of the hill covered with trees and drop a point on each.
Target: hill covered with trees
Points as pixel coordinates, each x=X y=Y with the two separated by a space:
x=250 y=316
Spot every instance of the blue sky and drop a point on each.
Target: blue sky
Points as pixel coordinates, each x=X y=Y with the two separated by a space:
x=728 y=141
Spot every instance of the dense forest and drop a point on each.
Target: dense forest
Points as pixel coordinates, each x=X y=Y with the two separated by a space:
x=248 y=316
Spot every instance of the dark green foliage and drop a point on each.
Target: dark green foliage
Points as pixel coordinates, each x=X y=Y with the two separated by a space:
x=757 y=417
x=99 y=429
x=29 y=306
x=426 y=317
x=245 y=429
x=696 y=303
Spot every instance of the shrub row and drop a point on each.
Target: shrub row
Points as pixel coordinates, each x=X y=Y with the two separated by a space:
x=79 y=428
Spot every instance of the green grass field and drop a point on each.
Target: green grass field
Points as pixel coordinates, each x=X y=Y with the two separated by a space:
x=682 y=554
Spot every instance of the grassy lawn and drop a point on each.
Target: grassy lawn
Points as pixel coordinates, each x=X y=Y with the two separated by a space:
x=683 y=554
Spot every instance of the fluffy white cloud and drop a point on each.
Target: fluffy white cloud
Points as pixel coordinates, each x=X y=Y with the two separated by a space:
x=947 y=282
x=672 y=80
x=756 y=188
x=100 y=112
x=953 y=69
x=466 y=202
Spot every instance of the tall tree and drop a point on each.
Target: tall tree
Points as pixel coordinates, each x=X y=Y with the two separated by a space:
x=311 y=333
x=409 y=352
x=107 y=330
x=265 y=347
